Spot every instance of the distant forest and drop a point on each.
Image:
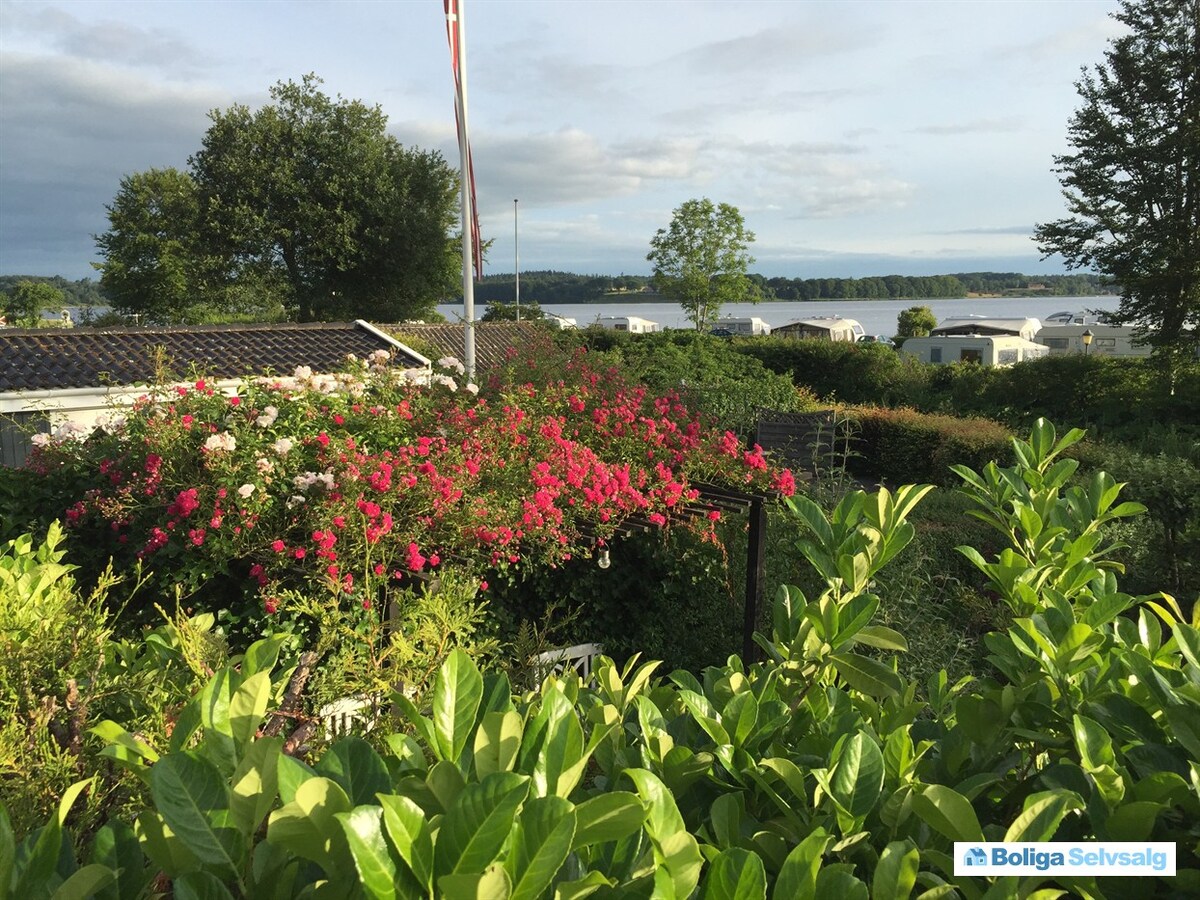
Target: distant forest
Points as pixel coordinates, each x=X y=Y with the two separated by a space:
x=83 y=293
x=565 y=287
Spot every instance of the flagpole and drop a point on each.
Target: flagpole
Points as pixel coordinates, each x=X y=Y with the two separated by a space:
x=468 y=253
x=517 y=259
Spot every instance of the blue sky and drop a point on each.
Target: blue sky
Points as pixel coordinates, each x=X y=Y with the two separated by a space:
x=857 y=138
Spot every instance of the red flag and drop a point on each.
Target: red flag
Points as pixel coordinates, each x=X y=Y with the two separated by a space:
x=454 y=36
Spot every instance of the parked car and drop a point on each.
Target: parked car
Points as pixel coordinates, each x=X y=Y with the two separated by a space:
x=876 y=339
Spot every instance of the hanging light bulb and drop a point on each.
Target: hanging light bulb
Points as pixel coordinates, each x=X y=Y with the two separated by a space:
x=603 y=560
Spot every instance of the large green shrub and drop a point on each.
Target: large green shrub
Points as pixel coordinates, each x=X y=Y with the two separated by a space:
x=901 y=445
x=1164 y=544
x=837 y=370
x=61 y=668
x=813 y=773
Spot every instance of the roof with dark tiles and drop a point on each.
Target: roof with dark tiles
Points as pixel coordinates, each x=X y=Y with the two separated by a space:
x=493 y=340
x=54 y=358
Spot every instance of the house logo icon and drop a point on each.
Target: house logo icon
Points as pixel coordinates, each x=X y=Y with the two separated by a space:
x=975 y=857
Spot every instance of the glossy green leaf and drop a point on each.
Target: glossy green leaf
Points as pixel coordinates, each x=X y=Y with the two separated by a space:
x=409 y=832
x=200 y=886
x=492 y=884
x=838 y=881
x=291 y=773
x=856 y=779
x=424 y=726
x=408 y=753
x=255 y=784
x=580 y=887
x=948 y=812
x=725 y=820
x=677 y=850
x=215 y=699
x=363 y=828
x=247 y=707
x=123 y=746
x=739 y=717
x=446 y=783
x=1133 y=821
x=542 y=841
x=193 y=798
x=1041 y=816
x=354 y=764
x=608 y=817
x=308 y=826
x=736 y=874
x=457 y=693
x=497 y=741
x=562 y=746
x=262 y=655
x=882 y=637
x=1093 y=743
x=167 y=851
x=478 y=824
x=896 y=872
x=115 y=847
x=867 y=675
x=1185 y=725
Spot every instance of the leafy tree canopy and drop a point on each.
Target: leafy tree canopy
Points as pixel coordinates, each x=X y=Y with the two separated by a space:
x=24 y=305
x=306 y=205
x=1132 y=184
x=498 y=311
x=916 y=321
x=701 y=259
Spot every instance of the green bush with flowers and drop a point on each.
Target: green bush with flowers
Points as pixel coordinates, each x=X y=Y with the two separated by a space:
x=351 y=487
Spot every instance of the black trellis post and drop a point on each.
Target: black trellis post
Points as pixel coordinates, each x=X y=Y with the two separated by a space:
x=755 y=575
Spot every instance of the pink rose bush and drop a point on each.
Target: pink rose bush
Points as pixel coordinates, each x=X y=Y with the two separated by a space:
x=352 y=482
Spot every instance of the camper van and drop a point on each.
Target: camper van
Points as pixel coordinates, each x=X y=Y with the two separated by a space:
x=984 y=349
x=747 y=325
x=827 y=328
x=1107 y=340
x=975 y=324
x=631 y=324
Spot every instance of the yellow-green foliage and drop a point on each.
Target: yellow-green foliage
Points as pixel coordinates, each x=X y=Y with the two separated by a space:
x=51 y=653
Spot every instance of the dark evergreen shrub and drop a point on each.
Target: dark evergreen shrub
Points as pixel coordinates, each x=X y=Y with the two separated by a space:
x=904 y=445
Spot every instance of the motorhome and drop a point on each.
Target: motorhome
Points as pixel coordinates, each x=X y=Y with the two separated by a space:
x=983 y=349
x=827 y=328
x=747 y=325
x=631 y=324
x=1107 y=340
x=976 y=324
x=1066 y=317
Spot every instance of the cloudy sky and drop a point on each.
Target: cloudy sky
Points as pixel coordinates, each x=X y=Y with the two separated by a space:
x=857 y=138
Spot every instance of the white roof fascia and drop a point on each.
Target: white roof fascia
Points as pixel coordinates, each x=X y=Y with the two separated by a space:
x=367 y=326
x=91 y=397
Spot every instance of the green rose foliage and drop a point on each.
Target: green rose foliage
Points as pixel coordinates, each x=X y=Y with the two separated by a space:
x=816 y=771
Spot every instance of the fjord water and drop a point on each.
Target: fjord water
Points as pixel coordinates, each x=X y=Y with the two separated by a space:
x=875 y=316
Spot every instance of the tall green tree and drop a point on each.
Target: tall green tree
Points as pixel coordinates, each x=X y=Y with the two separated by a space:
x=916 y=321
x=28 y=300
x=1132 y=182
x=702 y=258
x=306 y=205
x=154 y=267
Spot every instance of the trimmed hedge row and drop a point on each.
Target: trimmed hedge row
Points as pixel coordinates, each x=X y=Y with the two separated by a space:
x=906 y=446
x=1112 y=397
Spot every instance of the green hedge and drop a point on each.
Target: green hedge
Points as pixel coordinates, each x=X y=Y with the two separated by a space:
x=904 y=445
x=836 y=370
x=1118 y=398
